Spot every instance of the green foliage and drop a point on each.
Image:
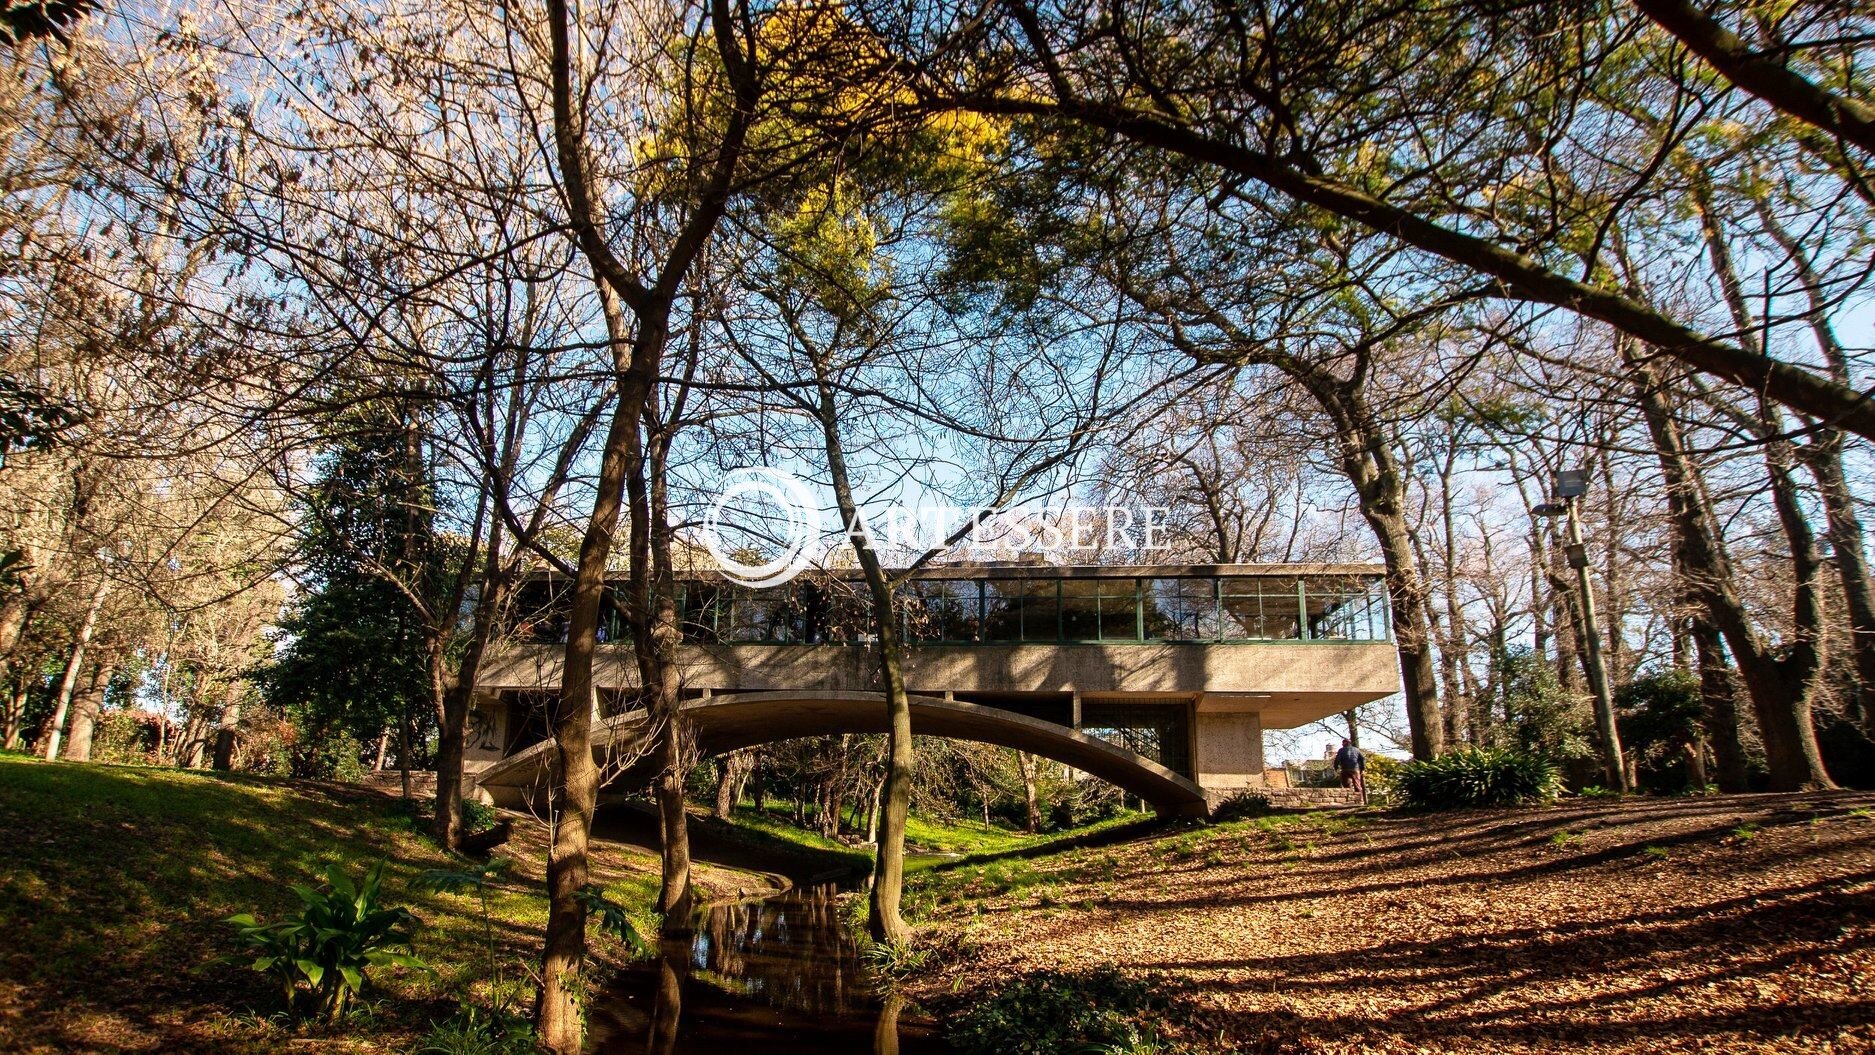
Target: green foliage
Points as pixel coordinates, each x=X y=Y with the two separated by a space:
x=893 y=962
x=1659 y=716
x=355 y=662
x=478 y=816
x=340 y=933
x=617 y=920
x=1242 y=805
x=1056 y=1011
x=1473 y=776
x=1538 y=717
x=472 y=1031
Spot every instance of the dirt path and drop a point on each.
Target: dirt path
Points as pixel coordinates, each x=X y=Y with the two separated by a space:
x=1721 y=924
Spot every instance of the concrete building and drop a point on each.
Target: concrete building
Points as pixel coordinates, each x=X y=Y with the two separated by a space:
x=1161 y=679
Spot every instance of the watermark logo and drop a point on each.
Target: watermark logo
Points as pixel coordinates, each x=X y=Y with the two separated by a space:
x=790 y=516
x=763 y=510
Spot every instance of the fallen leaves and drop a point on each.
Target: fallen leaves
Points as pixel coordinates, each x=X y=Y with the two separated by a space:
x=1601 y=926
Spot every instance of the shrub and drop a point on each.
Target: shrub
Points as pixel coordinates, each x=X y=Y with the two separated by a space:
x=1243 y=804
x=1472 y=776
x=340 y=933
x=1055 y=1011
x=478 y=816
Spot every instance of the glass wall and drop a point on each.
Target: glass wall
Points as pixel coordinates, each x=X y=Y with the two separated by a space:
x=1100 y=609
x=1008 y=610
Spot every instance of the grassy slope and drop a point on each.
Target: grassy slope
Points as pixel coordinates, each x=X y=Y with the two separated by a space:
x=114 y=881
x=923 y=836
x=1720 y=924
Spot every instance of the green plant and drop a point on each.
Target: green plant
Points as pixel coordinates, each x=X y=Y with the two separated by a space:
x=1138 y=1040
x=1056 y=1011
x=1596 y=791
x=1745 y=832
x=1241 y=805
x=1654 y=853
x=891 y=962
x=478 y=816
x=340 y=933
x=1473 y=776
x=616 y=919
x=475 y=879
x=472 y=1031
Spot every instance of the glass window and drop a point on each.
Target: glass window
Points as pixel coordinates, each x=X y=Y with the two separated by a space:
x=1261 y=609
x=702 y=611
x=1020 y=610
x=1347 y=609
x=1181 y=609
x=941 y=610
x=1080 y=610
x=1099 y=610
x=772 y=616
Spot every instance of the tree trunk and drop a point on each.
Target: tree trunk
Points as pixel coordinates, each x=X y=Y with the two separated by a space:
x=726 y=785
x=1824 y=458
x=575 y=789
x=15 y=715
x=1380 y=488
x=1787 y=682
x=1032 y=809
x=384 y=751
x=13 y=612
x=1779 y=690
x=85 y=711
x=225 y=730
x=1718 y=693
x=884 y=921
x=77 y=660
x=656 y=635
x=452 y=727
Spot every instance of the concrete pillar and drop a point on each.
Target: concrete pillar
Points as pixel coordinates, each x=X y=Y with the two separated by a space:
x=1228 y=755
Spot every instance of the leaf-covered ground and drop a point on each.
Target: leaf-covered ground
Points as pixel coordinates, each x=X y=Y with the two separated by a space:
x=1741 y=923
x=114 y=882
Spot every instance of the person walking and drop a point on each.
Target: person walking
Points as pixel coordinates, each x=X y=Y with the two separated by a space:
x=1351 y=763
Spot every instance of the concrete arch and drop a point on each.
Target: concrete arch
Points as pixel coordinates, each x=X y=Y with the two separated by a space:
x=728 y=722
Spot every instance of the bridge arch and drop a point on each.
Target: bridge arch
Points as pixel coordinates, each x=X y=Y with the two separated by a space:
x=737 y=720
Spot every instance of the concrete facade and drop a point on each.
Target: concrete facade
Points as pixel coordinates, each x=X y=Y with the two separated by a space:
x=1228 y=693
x=725 y=723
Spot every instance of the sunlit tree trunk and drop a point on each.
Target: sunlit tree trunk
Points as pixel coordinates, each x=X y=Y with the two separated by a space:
x=69 y=680
x=1031 y=802
x=85 y=711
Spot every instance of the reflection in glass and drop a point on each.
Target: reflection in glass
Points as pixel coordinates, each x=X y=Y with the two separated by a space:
x=1181 y=609
x=1020 y=610
x=941 y=609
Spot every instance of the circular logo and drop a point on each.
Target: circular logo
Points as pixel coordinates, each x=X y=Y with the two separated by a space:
x=766 y=505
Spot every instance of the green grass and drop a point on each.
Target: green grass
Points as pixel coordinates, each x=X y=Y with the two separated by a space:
x=116 y=881
x=773 y=833
x=931 y=835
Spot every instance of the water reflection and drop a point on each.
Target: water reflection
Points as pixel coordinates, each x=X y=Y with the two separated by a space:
x=784 y=973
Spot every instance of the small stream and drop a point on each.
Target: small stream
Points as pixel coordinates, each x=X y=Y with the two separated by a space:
x=782 y=976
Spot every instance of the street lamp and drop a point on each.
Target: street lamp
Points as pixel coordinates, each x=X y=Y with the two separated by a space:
x=1570 y=485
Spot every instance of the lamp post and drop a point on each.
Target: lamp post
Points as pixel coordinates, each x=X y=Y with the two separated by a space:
x=1570 y=485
